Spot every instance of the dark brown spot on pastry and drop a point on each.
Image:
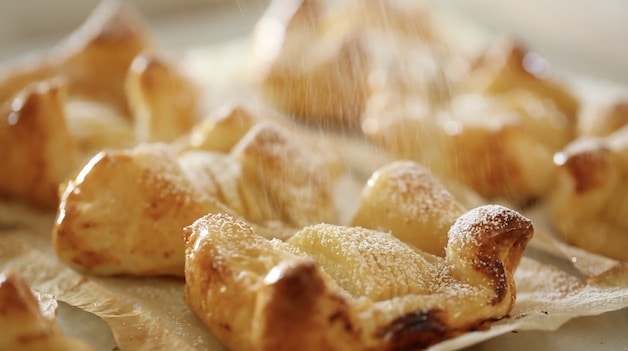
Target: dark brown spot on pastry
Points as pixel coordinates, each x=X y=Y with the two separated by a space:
x=416 y=330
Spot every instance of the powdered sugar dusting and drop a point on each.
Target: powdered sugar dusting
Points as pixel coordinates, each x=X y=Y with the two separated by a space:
x=296 y=177
x=367 y=262
x=416 y=190
x=481 y=223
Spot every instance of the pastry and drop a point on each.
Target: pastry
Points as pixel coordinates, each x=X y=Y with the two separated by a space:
x=603 y=119
x=33 y=170
x=349 y=288
x=94 y=90
x=123 y=213
x=94 y=59
x=507 y=65
x=407 y=200
x=317 y=61
x=163 y=100
x=496 y=133
x=495 y=148
x=588 y=204
x=28 y=322
x=221 y=130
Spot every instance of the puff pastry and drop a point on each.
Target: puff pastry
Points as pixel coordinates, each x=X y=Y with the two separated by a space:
x=604 y=119
x=163 y=100
x=497 y=149
x=588 y=205
x=221 y=130
x=26 y=323
x=86 y=95
x=317 y=61
x=506 y=65
x=94 y=59
x=124 y=211
x=487 y=124
x=33 y=170
x=349 y=288
x=407 y=200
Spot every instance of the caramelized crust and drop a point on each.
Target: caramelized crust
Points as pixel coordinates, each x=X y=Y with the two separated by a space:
x=25 y=324
x=350 y=288
x=588 y=205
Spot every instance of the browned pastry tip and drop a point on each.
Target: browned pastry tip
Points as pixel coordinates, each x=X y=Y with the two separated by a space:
x=606 y=119
x=36 y=148
x=588 y=163
x=491 y=239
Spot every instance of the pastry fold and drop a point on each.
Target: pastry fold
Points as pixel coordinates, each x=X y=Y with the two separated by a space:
x=349 y=288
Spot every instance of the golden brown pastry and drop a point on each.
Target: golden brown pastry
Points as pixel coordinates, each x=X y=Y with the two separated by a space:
x=496 y=131
x=349 y=288
x=588 y=204
x=324 y=84
x=296 y=183
x=498 y=150
x=94 y=59
x=407 y=200
x=61 y=108
x=518 y=162
x=163 y=100
x=507 y=65
x=604 y=119
x=317 y=60
x=24 y=322
x=94 y=126
x=124 y=212
x=46 y=136
x=501 y=150
x=36 y=149
x=221 y=130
